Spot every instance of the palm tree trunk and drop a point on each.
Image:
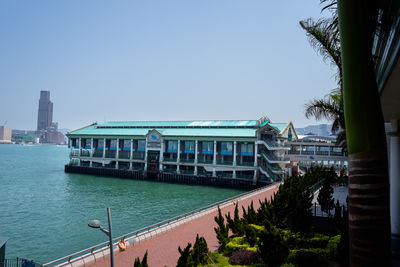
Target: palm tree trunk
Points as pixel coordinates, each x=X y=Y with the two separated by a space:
x=369 y=213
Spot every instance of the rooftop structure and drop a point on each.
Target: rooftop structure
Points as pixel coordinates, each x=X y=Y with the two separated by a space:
x=248 y=150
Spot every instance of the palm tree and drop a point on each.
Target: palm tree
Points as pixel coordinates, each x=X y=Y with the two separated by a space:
x=324 y=38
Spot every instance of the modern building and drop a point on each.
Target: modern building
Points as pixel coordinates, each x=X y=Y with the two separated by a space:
x=5 y=135
x=314 y=150
x=248 y=151
x=47 y=130
x=45 y=111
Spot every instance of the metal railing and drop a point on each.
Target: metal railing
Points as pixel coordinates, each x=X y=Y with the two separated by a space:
x=245 y=163
x=169 y=159
x=270 y=157
x=152 y=227
x=18 y=262
x=220 y=162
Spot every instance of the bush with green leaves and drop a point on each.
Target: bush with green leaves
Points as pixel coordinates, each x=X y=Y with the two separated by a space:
x=311 y=257
x=333 y=247
x=142 y=263
x=271 y=247
x=197 y=256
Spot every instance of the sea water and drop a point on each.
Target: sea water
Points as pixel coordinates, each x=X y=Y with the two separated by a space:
x=45 y=211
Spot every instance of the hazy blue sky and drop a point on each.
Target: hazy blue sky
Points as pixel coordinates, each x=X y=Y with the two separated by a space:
x=158 y=60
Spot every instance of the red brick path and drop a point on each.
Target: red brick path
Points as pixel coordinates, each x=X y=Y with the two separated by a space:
x=163 y=249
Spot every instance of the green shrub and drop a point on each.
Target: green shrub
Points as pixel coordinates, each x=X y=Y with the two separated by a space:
x=195 y=257
x=308 y=257
x=272 y=249
x=333 y=246
x=236 y=243
x=258 y=228
x=315 y=241
x=244 y=257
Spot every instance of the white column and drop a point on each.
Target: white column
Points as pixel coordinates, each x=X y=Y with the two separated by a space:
x=195 y=170
x=215 y=153
x=255 y=177
x=80 y=151
x=130 y=165
x=162 y=153
x=214 y=174
x=234 y=174
x=255 y=153
x=117 y=153
x=395 y=181
x=131 y=155
x=104 y=148
x=179 y=151
x=195 y=154
x=234 y=155
x=177 y=169
x=91 y=150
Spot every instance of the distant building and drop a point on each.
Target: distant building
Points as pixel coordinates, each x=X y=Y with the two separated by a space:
x=5 y=135
x=47 y=130
x=45 y=112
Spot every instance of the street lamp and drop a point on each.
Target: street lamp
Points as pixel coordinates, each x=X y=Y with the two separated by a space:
x=97 y=224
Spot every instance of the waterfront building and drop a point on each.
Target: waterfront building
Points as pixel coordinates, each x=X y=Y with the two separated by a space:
x=252 y=150
x=45 y=111
x=314 y=150
x=5 y=135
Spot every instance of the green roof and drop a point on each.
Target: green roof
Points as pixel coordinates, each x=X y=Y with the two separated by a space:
x=204 y=123
x=230 y=128
x=278 y=126
x=125 y=131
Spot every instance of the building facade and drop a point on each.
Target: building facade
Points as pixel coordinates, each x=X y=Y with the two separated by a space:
x=45 y=111
x=250 y=150
x=5 y=135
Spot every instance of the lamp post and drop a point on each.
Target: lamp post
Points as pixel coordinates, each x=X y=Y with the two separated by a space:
x=97 y=224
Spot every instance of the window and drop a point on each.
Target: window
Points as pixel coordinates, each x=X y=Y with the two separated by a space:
x=126 y=146
x=189 y=147
x=207 y=147
x=141 y=145
x=100 y=143
x=172 y=146
x=88 y=143
x=113 y=144
x=246 y=149
x=226 y=148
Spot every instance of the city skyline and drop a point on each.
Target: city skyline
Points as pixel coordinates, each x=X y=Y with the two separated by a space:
x=166 y=61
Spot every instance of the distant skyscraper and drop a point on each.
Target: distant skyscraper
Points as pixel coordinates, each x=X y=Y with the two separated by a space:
x=45 y=113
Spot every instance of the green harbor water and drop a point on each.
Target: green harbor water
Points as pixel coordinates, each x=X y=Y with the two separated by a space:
x=44 y=211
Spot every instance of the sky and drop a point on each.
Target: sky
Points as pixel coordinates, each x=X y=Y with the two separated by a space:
x=158 y=60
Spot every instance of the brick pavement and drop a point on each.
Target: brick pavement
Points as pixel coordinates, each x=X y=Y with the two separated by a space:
x=163 y=249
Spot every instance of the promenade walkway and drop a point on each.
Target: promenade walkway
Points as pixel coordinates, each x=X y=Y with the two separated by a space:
x=163 y=249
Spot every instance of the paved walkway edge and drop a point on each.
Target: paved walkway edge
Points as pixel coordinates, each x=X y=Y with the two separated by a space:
x=104 y=252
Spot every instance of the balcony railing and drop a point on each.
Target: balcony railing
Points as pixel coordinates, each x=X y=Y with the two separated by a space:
x=220 y=162
x=205 y=161
x=275 y=144
x=245 y=163
x=187 y=171
x=110 y=154
x=169 y=159
x=124 y=156
x=187 y=160
x=138 y=157
x=98 y=154
x=271 y=157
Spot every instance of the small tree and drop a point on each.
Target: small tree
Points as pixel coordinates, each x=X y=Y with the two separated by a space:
x=222 y=231
x=184 y=258
x=325 y=199
x=236 y=225
x=137 y=262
